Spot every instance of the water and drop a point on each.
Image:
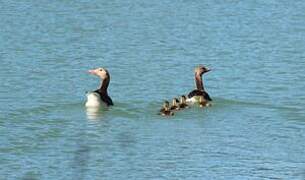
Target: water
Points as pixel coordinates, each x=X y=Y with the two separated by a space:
x=255 y=129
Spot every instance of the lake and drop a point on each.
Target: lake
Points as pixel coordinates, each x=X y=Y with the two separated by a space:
x=254 y=130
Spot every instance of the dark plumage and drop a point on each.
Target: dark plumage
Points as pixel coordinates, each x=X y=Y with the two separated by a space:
x=202 y=93
x=165 y=110
x=175 y=105
x=199 y=91
x=105 y=80
x=105 y=98
x=182 y=103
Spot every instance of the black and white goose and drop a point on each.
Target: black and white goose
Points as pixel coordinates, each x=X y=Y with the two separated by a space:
x=100 y=96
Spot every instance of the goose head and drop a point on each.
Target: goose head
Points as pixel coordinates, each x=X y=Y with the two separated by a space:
x=199 y=70
x=100 y=72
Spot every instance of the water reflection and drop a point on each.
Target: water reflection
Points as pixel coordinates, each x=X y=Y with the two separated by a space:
x=94 y=113
x=81 y=158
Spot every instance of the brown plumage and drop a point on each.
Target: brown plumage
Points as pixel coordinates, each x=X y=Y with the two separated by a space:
x=182 y=102
x=175 y=105
x=203 y=102
x=200 y=91
x=165 y=110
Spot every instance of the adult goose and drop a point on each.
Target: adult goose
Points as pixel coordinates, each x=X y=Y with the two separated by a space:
x=100 y=96
x=195 y=95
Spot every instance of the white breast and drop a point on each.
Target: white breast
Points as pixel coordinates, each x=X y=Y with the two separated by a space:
x=194 y=99
x=93 y=100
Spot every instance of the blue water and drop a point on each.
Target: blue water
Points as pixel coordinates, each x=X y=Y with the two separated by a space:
x=254 y=130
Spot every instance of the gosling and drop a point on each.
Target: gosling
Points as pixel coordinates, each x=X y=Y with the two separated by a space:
x=175 y=105
x=165 y=110
x=182 y=103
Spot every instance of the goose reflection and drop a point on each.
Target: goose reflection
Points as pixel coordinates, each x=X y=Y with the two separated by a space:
x=94 y=113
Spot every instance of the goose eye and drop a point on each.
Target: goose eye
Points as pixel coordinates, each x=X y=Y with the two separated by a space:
x=101 y=69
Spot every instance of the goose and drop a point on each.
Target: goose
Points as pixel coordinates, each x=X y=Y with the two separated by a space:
x=182 y=103
x=165 y=110
x=175 y=105
x=194 y=95
x=100 y=96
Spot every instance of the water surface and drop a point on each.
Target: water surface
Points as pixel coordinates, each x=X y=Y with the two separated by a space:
x=255 y=129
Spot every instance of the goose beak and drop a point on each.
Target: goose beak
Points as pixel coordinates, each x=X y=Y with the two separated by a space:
x=208 y=70
x=92 y=71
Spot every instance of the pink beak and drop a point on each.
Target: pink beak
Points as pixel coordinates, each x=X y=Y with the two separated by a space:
x=92 y=71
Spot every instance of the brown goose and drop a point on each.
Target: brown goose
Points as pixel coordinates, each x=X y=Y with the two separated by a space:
x=100 y=96
x=194 y=95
